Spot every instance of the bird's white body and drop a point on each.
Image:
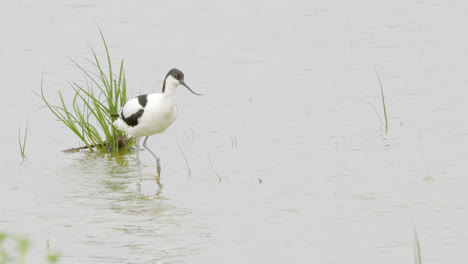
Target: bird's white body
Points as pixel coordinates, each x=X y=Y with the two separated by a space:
x=150 y=114
x=159 y=112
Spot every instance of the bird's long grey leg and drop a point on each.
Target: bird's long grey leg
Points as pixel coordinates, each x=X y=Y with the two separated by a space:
x=138 y=156
x=158 y=165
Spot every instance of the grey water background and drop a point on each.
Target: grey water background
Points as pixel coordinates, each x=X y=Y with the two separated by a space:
x=307 y=172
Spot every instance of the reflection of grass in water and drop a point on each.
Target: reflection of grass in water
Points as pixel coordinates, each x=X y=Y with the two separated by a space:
x=91 y=113
x=22 y=145
x=19 y=252
x=417 y=249
x=121 y=157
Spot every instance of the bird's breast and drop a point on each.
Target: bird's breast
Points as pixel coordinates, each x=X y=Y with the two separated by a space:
x=159 y=117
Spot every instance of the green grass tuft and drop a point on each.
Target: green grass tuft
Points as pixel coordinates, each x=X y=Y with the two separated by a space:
x=89 y=116
x=15 y=248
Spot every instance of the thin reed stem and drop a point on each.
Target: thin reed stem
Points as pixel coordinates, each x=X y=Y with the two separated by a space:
x=383 y=101
x=22 y=144
x=417 y=249
x=217 y=175
x=186 y=162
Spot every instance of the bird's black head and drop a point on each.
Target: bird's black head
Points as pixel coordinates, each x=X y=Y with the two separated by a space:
x=176 y=74
x=179 y=76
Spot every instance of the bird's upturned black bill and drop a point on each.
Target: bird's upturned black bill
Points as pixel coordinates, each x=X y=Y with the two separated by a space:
x=186 y=86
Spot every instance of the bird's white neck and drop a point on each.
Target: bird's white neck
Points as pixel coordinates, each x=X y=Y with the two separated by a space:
x=170 y=86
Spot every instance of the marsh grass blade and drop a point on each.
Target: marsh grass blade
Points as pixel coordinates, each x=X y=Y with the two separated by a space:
x=417 y=249
x=185 y=158
x=375 y=110
x=383 y=101
x=212 y=167
x=22 y=143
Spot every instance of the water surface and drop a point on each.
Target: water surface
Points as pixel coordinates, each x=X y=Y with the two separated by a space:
x=312 y=177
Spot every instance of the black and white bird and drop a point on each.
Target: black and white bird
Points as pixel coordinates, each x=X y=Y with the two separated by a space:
x=150 y=114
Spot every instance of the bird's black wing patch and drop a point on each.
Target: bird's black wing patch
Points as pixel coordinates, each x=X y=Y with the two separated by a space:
x=133 y=119
x=143 y=99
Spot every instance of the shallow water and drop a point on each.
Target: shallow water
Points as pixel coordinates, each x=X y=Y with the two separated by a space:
x=302 y=169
